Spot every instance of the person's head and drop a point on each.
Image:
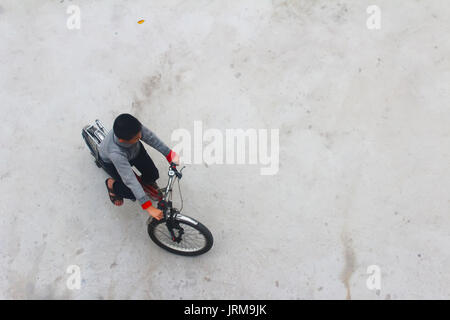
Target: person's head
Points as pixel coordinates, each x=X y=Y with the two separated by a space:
x=127 y=128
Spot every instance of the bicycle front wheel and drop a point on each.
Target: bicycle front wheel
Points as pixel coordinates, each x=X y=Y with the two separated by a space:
x=196 y=239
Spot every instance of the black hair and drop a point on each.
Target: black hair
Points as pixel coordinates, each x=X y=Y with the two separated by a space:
x=126 y=126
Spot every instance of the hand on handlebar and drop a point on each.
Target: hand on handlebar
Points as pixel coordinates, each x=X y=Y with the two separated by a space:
x=155 y=213
x=176 y=159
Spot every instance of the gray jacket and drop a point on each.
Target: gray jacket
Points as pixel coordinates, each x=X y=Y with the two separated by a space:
x=113 y=151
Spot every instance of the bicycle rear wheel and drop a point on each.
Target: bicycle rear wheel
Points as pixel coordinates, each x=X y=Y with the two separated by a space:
x=196 y=239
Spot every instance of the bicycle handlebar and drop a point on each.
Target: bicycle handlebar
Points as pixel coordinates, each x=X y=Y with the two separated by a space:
x=173 y=166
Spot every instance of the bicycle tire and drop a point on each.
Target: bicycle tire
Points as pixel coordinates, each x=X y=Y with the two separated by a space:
x=209 y=240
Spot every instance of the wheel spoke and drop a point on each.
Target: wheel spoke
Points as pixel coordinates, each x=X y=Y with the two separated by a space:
x=192 y=239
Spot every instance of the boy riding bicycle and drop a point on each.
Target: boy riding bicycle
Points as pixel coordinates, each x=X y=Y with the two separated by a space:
x=122 y=149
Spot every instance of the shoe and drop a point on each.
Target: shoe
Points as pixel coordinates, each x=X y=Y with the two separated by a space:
x=113 y=197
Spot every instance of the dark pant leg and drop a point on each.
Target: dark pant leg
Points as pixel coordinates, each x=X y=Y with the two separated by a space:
x=145 y=165
x=119 y=188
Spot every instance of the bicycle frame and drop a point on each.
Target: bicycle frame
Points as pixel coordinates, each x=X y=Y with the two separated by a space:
x=166 y=202
x=172 y=174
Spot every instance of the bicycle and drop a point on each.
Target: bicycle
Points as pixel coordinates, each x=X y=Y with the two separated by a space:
x=175 y=231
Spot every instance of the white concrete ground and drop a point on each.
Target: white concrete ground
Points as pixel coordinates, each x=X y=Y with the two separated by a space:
x=364 y=147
